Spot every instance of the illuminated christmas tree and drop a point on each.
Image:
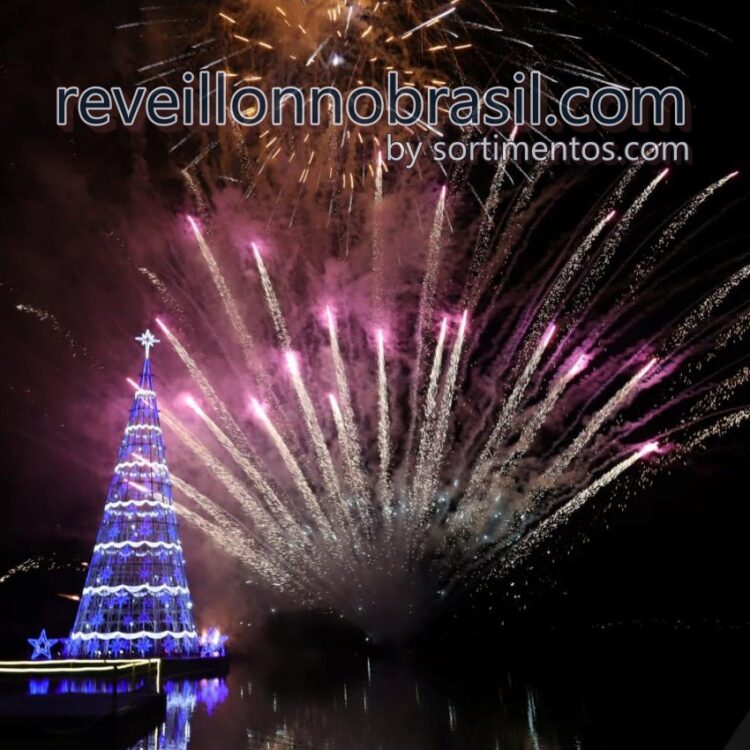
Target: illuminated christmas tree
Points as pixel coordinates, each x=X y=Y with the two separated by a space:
x=136 y=600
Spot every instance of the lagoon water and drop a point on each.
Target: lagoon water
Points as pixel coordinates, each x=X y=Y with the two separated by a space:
x=607 y=700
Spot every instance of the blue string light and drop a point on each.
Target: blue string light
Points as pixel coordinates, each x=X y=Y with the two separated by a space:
x=42 y=646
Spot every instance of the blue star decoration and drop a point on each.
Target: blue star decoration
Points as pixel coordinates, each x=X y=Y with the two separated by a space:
x=212 y=643
x=42 y=646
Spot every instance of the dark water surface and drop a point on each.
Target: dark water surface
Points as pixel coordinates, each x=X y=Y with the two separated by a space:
x=688 y=696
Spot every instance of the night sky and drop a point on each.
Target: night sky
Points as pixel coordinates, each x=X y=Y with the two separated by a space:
x=675 y=556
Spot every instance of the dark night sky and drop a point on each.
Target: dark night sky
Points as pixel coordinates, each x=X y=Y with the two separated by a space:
x=681 y=552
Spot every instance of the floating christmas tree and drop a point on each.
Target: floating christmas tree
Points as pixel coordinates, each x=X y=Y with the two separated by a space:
x=136 y=600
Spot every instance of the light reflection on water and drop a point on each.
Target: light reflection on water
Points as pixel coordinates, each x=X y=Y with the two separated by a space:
x=86 y=686
x=381 y=707
x=183 y=697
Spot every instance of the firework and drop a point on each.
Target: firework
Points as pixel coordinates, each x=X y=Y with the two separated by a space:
x=416 y=457
x=474 y=377
x=346 y=45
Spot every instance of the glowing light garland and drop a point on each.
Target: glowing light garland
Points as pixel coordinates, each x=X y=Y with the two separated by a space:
x=148 y=588
x=141 y=543
x=138 y=503
x=134 y=636
x=141 y=464
x=136 y=427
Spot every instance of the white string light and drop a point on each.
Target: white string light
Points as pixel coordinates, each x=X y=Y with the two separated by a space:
x=146 y=587
x=139 y=543
x=134 y=636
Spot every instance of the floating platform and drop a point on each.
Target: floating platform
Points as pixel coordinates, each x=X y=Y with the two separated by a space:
x=79 y=703
x=89 y=702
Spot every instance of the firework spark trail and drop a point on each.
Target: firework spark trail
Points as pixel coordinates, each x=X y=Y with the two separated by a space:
x=425 y=313
x=734 y=332
x=668 y=235
x=510 y=234
x=471 y=514
x=197 y=192
x=430 y=406
x=226 y=532
x=47 y=317
x=660 y=58
x=243 y=156
x=584 y=299
x=549 y=525
x=313 y=504
x=614 y=240
x=678 y=452
x=429 y=22
x=606 y=379
x=378 y=260
x=230 y=305
x=703 y=310
x=285 y=342
x=251 y=507
x=208 y=391
x=706 y=408
x=549 y=477
x=385 y=487
x=238 y=544
x=486 y=228
x=219 y=516
x=341 y=431
x=721 y=392
x=567 y=274
x=434 y=381
x=284 y=565
x=219 y=537
x=282 y=332
x=644 y=269
x=164 y=292
x=734 y=327
x=153 y=22
x=323 y=455
x=719 y=427
x=503 y=423
x=252 y=472
x=349 y=435
x=424 y=494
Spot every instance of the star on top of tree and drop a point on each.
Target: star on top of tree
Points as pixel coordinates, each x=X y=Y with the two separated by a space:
x=147 y=340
